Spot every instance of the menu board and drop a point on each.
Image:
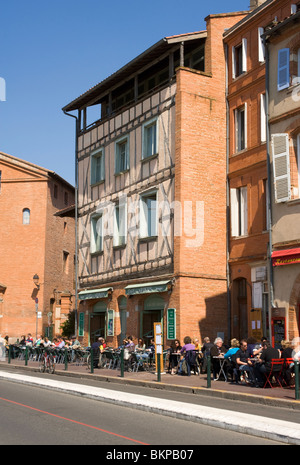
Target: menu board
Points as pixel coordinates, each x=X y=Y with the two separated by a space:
x=278 y=331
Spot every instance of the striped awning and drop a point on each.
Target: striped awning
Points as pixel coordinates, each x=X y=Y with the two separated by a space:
x=147 y=288
x=94 y=293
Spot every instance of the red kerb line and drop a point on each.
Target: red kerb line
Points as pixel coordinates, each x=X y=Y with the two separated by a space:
x=74 y=421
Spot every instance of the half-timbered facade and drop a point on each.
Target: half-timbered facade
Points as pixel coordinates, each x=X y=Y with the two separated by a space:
x=152 y=192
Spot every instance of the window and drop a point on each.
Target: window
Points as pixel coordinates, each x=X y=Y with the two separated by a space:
x=261 y=45
x=263 y=118
x=66 y=262
x=283 y=76
x=148 y=215
x=239 y=59
x=96 y=234
x=241 y=128
x=66 y=198
x=26 y=216
x=55 y=191
x=150 y=145
x=265 y=199
x=239 y=211
x=120 y=224
x=281 y=167
x=97 y=167
x=122 y=155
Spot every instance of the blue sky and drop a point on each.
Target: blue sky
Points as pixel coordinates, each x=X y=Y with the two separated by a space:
x=51 y=52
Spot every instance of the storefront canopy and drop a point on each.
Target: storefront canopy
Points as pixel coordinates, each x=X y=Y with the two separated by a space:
x=147 y=288
x=94 y=294
x=286 y=257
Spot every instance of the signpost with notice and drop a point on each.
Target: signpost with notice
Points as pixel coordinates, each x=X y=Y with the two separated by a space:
x=158 y=340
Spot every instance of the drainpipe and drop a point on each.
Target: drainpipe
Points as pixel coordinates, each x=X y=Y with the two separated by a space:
x=227 y=199
x=269 y=207
x=76 y=218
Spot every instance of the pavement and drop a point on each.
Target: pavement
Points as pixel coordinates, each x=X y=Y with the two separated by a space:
x=279 y=430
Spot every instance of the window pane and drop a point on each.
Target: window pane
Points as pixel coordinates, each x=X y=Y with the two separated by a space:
x=26 y=216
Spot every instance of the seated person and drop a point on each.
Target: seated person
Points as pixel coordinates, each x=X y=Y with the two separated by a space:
x=141 y=346
x=263 y=367
x=187 y=347
x=243 y=362
x=230 y=356
x=217 y=350
x=174 y=359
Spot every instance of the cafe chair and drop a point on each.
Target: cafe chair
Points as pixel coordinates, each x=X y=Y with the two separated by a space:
x=275 y=373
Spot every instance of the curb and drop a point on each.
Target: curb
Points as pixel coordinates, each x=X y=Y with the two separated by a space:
x=254 y=425
x=218 y=393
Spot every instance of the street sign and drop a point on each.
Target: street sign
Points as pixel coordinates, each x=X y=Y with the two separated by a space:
x=171 y=323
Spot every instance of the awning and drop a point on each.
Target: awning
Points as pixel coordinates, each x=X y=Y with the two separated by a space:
x=147 y=288
x=286 y=257
x=94 y=293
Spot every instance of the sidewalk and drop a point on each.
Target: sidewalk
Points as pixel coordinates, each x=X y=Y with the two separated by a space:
x=197 y=384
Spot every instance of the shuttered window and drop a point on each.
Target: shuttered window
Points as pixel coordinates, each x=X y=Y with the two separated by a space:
x=281 y=167
x=263 y=120
x=122 y=155
x=283 y=80
x=120 y=224
x=239 y=211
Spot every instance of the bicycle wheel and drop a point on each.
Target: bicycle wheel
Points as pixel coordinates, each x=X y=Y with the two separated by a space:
x=51 y=365
x=42 y=365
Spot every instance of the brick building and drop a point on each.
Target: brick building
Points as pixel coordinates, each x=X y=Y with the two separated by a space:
x=250 y=232
x=36 y=238
x=283 y=57
x=152 y=192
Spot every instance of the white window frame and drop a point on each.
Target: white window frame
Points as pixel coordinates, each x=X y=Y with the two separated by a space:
x=118 y=144
x=95 y=157
x=239 y=211
x=154 y=149
x=120 y=224
x=261 y=46
x=283 y=67
x=238 y=128
x=263 y=118
x=96 y=245
x=235 y=71
x=148 y=220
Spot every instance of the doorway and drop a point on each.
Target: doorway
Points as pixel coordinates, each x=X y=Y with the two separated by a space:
x=97 y=327
x=153 y=312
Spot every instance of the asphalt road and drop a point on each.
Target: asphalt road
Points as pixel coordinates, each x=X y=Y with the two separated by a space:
x=38 y=416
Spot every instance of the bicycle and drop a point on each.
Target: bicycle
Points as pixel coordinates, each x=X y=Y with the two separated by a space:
x=47 y=363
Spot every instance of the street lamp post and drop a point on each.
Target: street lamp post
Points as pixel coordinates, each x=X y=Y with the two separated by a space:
x=36 y=281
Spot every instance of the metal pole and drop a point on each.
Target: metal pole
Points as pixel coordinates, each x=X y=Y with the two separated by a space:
x=66 y=359
x=9 y=353
x=26 y=356
x=297 y=396
x=158 y=368
x=92 y=360
x=122 y=363
x=208 y=371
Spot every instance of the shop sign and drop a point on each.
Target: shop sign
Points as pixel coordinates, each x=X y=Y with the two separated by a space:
x=286 y=257
x=171 y=323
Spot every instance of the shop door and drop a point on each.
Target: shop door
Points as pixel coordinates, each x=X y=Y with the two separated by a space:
x=97 y=327
x=149 y=318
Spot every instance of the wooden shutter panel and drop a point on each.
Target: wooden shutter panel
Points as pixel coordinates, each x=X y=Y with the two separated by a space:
x=244 y=211
x=261 y=47
x=283 y=80
x=281 y=167
x=234 y=211
x=244 y=55
x=233 y=63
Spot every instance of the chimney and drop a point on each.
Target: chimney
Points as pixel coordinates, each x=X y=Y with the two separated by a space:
x=255 y=3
